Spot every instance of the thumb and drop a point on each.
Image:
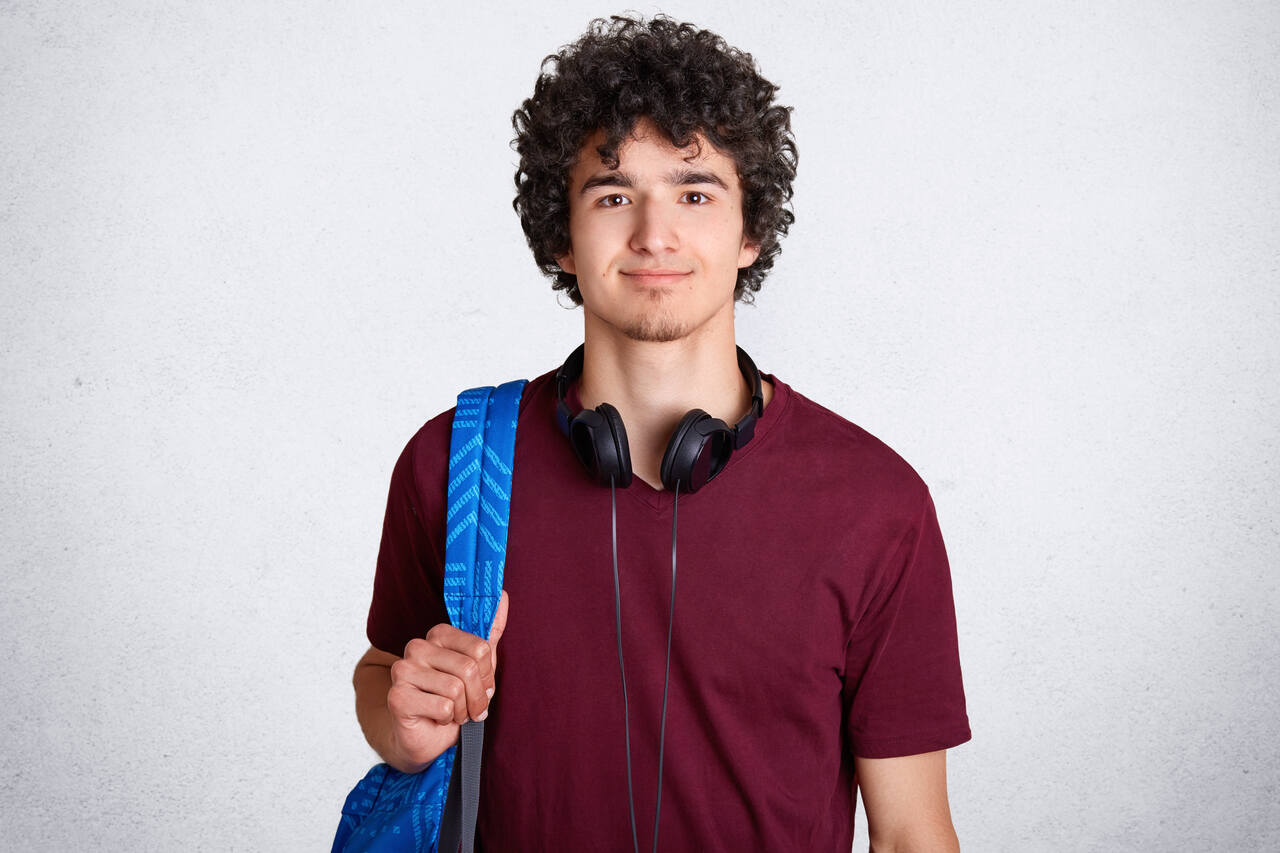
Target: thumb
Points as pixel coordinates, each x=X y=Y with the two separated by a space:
x=499 y=620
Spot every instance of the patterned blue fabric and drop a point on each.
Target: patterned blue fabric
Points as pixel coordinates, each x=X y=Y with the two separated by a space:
x=479 y=603
x=462 y=517
x=393 y=812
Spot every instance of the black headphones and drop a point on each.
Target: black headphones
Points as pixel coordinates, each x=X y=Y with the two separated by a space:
x=698 y=450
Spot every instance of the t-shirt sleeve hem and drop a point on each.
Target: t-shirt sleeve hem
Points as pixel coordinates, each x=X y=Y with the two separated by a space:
x=896 y=747
x=383 y=643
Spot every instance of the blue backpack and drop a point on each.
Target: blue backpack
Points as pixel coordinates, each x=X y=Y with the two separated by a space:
x=435 y=810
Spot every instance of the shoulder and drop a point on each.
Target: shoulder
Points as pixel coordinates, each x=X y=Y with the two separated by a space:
x=428 y=448
x=425 y=457
x=831 y=446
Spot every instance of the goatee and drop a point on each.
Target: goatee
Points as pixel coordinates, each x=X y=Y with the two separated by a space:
x=658 y=330
x=657 y=325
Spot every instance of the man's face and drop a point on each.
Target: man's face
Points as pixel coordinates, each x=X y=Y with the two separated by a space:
x=657 y=242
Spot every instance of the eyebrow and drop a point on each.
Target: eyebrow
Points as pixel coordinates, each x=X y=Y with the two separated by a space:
x=675 y=178
x=607 y=179
x=684 y=177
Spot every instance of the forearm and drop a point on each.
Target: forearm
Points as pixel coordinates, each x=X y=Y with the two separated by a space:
x=921 y=838
x=906 y=803
x=372 y=681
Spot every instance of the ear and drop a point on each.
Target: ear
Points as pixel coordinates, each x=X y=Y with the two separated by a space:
x=566 y=262
x=748 y=253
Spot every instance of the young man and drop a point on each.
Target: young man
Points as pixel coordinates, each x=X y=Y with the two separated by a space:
x=808 y=644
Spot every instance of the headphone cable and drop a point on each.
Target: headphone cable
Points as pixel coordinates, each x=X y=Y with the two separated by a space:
x=617 y=610
x=666 y=678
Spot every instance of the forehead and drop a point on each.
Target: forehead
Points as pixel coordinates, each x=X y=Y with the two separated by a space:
x=647 y=148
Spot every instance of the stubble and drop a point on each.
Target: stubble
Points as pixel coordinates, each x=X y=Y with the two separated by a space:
x=656 y=324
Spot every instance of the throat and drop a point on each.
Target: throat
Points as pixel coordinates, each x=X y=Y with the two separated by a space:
x=650 y=476
x=646 y=461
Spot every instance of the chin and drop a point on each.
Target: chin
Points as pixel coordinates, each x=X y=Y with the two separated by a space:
x=658 y=330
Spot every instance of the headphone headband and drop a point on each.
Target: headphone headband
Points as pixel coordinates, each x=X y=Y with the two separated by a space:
x=569 y=371
x=744 y=429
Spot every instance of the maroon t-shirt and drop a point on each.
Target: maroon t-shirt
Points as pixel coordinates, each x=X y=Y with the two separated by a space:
x=813 y=622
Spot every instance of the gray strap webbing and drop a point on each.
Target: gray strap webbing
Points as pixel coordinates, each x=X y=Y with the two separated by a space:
x=463 y=803
x=472 y=750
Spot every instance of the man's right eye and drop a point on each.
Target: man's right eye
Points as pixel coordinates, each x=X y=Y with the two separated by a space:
x=614 y=200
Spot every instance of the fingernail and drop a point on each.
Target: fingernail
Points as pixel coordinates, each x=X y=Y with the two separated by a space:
x=483 y=714
x=489 y=692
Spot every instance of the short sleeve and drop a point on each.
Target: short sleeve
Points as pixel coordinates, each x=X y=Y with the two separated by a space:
x=407 y=588
x=903 y=688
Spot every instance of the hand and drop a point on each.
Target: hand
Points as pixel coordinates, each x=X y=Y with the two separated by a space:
x=440 y=683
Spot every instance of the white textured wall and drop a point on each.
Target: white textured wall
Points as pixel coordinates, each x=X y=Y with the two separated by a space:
x=247 y=249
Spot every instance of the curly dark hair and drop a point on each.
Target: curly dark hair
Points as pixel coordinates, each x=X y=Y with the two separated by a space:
x=686 y=81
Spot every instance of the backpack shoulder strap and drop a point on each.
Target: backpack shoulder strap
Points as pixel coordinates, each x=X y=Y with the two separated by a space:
x=481 y=456
x=496 y=470
x=481 y=461
x=462 y=514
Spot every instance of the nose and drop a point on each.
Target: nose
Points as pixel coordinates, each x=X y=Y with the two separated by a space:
x=654 y=229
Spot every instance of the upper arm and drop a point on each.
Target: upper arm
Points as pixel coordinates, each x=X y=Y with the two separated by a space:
x=407 y=586
x=906 y=803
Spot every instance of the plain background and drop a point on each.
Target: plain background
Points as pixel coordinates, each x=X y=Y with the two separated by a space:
x=247 y=249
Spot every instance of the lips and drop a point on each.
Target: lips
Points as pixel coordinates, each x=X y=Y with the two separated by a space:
x=655 y=276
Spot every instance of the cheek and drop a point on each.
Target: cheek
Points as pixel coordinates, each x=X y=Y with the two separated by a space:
x=579 y=234
x=729 y=239
x=595 y=246
x=730 y=227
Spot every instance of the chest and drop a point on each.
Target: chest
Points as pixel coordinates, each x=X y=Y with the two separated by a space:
x=760 y=611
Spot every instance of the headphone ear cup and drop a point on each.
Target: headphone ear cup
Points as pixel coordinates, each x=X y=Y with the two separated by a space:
x=697 y=452
x=599 y=440
x=618 y=450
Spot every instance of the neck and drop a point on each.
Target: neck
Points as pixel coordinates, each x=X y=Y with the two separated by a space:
x=653 y=385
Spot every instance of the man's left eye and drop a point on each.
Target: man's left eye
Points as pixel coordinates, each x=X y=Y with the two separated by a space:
x=696 y=198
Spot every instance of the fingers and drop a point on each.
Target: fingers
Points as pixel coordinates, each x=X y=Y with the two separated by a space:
x=422 y=726
x=410 y=705
x=448 y=677
x=449 y=639
x=436 y=666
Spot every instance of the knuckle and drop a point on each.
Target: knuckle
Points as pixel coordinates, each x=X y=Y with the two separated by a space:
x=470 y=670
x=415 y=647
x=399 y=670
x=453 y=691
x=439 y=631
